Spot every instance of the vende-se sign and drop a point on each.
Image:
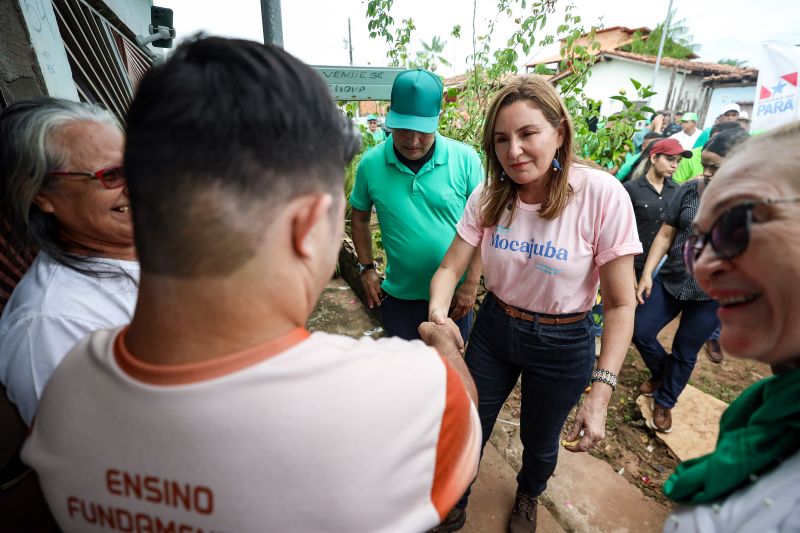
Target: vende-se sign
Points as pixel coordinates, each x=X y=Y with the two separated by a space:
x=359 y=83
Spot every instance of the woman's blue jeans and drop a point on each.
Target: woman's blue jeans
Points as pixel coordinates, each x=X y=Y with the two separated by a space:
x=555 y=362
x=673 y=370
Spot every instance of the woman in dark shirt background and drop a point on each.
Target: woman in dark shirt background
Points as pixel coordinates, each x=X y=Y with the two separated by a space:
x=674 y=291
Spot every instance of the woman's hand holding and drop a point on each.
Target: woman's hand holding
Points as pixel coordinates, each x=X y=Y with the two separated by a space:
x=589 y=427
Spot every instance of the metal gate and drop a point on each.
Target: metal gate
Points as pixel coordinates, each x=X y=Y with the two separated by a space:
x=107 y=64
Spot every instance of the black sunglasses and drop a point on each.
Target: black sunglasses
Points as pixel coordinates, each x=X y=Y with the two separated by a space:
x=729 y=235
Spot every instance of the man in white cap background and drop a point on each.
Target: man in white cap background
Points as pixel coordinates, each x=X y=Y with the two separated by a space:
x=689 y=132
x=728 y=113
x=419 y=184
x=744 y=120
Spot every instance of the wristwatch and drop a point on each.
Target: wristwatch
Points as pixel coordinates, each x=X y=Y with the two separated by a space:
x=361 y=268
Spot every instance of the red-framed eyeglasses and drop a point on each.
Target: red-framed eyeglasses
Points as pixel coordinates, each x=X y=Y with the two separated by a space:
x=110 y=177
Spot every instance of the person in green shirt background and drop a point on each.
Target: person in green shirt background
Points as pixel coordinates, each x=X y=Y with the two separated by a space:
x=692 y=167
x=632 y=160
x=378 y=135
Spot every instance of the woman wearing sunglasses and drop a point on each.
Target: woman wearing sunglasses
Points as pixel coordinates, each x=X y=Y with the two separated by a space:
x=674 y=290
x=63 y=194
x=746 y=255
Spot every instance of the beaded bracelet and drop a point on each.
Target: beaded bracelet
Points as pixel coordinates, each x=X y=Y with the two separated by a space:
x=605 y=376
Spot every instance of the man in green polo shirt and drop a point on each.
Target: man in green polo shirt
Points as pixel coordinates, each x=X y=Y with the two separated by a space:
x=419 y=182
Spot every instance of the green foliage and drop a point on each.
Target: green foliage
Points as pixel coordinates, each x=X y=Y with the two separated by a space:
x=367 y=142
x=678 y=44
x=430 y=56
x=733 y=62
x=614 y=137
x=464 y=113
x=380 y=24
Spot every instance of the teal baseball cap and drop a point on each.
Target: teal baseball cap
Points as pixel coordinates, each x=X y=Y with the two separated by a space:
x=372 y=116
x=689 y=116
x=416 y=101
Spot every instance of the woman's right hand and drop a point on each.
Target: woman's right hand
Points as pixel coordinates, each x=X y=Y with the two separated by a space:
x=438 y=316
x=644 y=287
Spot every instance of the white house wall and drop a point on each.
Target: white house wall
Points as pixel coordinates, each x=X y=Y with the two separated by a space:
x=609 y=77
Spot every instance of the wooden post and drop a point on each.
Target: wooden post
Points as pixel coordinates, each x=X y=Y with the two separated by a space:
x=669 y=89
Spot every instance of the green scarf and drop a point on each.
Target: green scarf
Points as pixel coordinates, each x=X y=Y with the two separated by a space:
x=756 y=432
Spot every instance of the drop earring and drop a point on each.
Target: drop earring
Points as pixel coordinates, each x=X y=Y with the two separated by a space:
x=503 y=176
x=556 y=165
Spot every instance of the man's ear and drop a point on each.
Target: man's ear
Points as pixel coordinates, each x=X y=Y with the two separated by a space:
x=309 y=213
x=42 y=201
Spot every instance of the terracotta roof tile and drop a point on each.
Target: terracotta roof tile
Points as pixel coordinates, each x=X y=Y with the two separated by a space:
x=694 y=66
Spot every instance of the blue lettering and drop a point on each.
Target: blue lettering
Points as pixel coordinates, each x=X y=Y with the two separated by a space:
x=780 y=106
x=529 y=248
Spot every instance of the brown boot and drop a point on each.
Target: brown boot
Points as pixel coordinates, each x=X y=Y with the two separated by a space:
x=714 y=351
x=648 y=387
x=662 y=419
x=523 y=516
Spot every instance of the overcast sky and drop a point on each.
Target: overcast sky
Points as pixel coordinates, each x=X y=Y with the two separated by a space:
x=316 y=30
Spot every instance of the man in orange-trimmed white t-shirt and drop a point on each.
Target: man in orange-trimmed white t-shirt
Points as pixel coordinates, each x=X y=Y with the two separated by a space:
x=215 y=410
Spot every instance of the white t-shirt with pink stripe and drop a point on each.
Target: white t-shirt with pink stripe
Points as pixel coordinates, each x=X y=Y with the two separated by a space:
x=304 y=433
x=553 y=266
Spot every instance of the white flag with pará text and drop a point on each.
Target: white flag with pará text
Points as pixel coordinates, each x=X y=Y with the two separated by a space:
x=777 y=100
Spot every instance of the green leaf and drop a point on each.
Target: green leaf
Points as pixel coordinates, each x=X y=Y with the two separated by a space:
x=636 y=84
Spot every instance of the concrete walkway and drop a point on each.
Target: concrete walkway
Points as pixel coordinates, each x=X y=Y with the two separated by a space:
x=493 y=497
x=695 y=422
x=585 y=494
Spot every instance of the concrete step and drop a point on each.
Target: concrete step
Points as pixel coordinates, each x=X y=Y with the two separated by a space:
x=695 y=422
x=585 y=494
x=493 y=497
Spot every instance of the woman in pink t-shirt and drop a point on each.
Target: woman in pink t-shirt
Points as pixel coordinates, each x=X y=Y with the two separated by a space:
x=551 y=231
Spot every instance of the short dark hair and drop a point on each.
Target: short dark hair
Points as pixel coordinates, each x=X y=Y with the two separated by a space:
x=719 y=127
x=725 y=141
x=218 y=138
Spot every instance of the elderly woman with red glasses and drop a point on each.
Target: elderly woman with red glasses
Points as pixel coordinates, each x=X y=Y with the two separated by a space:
x=675 y=291
x=63 y=194
x=746 y=255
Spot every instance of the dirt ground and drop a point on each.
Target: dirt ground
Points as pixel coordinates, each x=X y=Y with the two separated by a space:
x=630 y=447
